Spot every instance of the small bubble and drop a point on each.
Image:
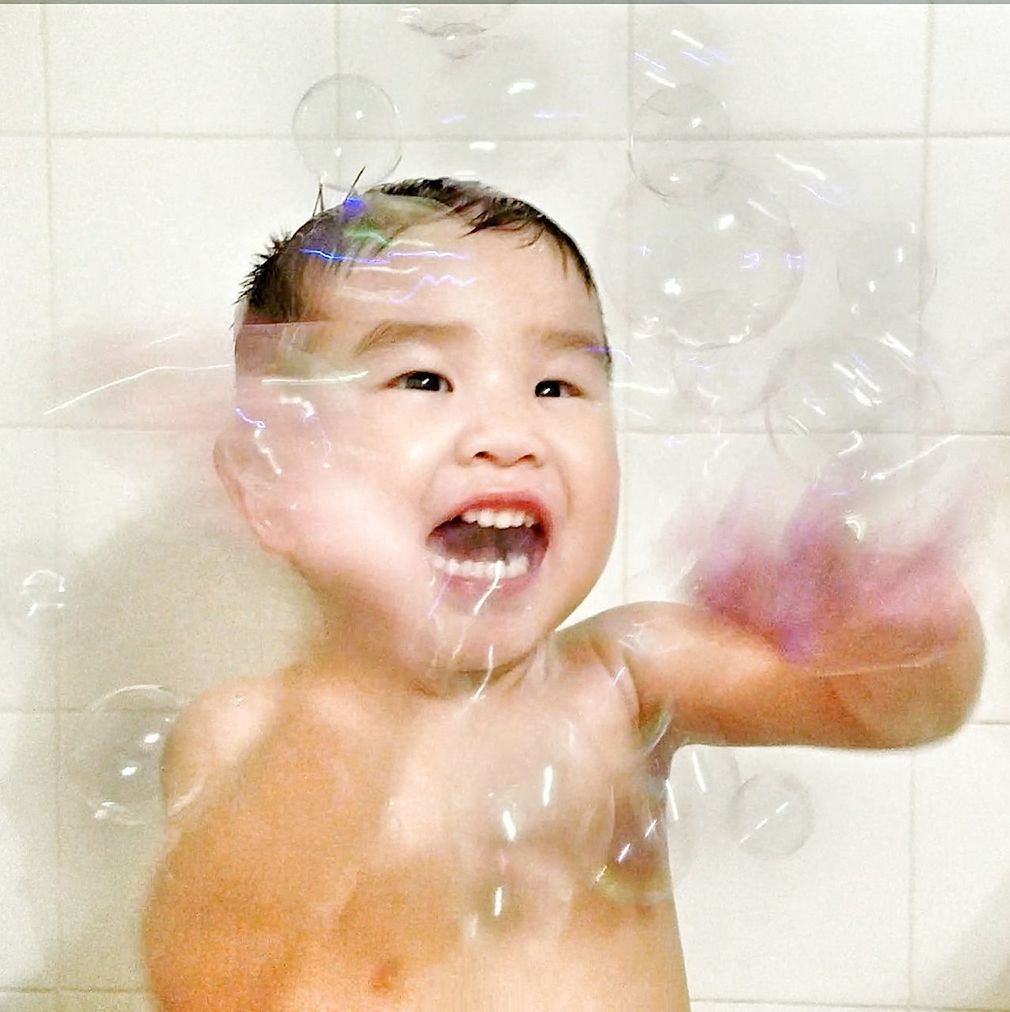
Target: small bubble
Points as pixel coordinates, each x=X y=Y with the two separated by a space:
x=771 y=815
x=347 y=128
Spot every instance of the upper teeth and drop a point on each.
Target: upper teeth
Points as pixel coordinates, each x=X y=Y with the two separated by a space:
x=499 y=518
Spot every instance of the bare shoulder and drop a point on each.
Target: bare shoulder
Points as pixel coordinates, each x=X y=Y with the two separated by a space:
x=609 y=644
x=214 y=733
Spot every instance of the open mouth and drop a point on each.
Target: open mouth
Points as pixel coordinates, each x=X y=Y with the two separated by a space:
x=490 y=544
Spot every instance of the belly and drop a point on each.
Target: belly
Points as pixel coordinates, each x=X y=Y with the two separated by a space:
x=604 y=956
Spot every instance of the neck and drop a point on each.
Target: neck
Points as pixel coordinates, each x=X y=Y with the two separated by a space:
x=374 y=658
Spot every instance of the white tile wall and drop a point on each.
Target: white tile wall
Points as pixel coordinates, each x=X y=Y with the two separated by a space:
x=28 y=542
x=29 y=891
x=189 y=69
x=144 y=159
x=969 y=227
x=869 y=78
x=971 y=80
x=24 y=278
x=961 y=856
x=22 y=74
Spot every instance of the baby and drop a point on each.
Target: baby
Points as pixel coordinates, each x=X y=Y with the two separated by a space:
x=450 y=804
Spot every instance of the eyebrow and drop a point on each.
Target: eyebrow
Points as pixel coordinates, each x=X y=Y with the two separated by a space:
x=391 y=332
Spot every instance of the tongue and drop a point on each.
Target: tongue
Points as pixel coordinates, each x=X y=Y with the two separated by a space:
x=458 y=540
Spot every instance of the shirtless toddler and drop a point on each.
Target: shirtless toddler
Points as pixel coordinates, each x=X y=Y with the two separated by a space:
x=449 y=804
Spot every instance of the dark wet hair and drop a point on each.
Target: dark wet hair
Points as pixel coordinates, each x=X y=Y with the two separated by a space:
x=362 y=225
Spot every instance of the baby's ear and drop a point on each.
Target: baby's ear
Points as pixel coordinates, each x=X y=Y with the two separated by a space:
x=252 y=486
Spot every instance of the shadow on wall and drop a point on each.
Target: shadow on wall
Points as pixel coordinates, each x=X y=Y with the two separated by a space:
x=178 y=596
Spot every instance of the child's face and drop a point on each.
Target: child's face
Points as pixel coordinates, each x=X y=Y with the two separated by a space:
x=467 y=377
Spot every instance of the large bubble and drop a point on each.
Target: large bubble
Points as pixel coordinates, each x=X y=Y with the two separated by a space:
x=715 y=268
x=842 y=406
x=886 y=270
x=116 y=760
x=348 y=132
x=674 y=145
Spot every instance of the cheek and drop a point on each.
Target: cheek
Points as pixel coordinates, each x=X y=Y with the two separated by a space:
x=597 y=477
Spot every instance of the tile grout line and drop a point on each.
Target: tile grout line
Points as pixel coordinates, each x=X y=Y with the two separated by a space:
x=924 y=206
x=743 y=136
x=55 y=443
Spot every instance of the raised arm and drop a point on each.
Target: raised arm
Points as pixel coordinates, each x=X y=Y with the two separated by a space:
x=725 y=684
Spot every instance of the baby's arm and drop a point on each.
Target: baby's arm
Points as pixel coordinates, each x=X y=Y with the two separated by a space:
x=725 y=684
x=256 y=840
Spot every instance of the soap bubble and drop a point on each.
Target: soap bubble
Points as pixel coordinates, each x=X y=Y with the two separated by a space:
x=458 y=28
x=637 y=865
x=886 y=270
x=704 y=778
x=115 y=764
x=714 y=270
x=533 y=824
x=725 y=380
x=345 y=125
x=771 y=815
x=828 y=395
x=35 y=599
x=673 y=44
x=673 y=149
x=500 y=96
x=821 y=183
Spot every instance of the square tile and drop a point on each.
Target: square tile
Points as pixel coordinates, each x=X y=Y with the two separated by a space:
x=24 y=278
x=961 y=861
x=760 y=59
x=968 y=316
x=22 y=76
x=827 y=924
x=28 y=887
x=548 y=70
x=28 y=620
x=185 y=68
x=171 y=228
x=971 y=81
x=173 y=589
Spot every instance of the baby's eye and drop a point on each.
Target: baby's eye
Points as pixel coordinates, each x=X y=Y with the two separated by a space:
x=420 y=380
x=556 y=388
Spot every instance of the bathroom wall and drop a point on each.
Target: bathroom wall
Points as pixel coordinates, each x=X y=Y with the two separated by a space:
x=146 y=154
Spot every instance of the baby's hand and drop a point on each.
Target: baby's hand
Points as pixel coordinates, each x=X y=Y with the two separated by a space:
x=829 y=601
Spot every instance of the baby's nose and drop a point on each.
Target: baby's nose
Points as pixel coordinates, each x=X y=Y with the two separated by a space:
x=501 y=436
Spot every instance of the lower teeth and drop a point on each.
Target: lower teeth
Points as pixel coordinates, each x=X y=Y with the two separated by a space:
x=501 y=569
